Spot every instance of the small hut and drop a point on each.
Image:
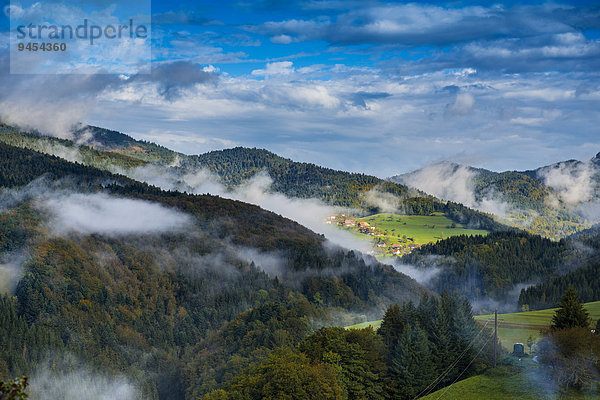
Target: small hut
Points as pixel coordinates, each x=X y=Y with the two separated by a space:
x=519 y=349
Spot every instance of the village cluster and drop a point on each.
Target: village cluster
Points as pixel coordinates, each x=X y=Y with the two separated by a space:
x=382 y=243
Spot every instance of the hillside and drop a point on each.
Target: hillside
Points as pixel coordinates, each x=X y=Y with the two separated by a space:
x=554 y=201
x=585 y=278
x=127 y=277
x=513 y=327
x=115 y=151
x=503 y=383
x=484 y=267
x=519 y=327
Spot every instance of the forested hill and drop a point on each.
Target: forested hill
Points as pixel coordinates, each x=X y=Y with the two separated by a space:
x=552 y=201
x=521 y=189
x=87 y=281
x=223 y=219
x=586 y=279
x=107 y=149
x=499 y=265
x=296 y=178
x=339 y=188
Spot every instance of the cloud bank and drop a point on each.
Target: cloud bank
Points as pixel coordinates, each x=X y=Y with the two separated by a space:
x=456 y=183
x=76 y=381
x=108 y=215
x=310 y=213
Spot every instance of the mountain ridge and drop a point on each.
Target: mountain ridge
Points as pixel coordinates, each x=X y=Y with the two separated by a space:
x=234 y=166
x=551 y=200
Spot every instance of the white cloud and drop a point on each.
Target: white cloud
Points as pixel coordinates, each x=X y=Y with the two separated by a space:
x=310 y=213
x=109 y=215
x=456 y=183
x=282 y=39
x=276 y=68
x=11 y=273
x=462 y=105
x=572 y=182
x=78 y=382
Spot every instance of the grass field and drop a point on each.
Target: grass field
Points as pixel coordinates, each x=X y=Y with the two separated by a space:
x=525 y=382
x=413 y=229
x=500 y=384
x=515 y=327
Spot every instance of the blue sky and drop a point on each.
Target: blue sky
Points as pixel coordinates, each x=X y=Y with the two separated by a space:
x=370 y=86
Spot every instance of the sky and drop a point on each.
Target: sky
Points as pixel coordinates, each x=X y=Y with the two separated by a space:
x=367 y=86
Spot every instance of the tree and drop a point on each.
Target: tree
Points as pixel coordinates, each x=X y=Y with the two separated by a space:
x=359 y=354
x=572 y=355
x=571 y=313
x=598 y=327
x=285 y=374
x=13 y=390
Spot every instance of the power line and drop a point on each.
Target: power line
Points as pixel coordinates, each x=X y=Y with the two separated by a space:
x=428 y=389
x=467 y=367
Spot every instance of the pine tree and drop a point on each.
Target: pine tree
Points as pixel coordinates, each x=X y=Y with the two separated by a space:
x=570 y=313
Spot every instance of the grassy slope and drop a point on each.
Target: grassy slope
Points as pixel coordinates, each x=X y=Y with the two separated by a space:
x=517 y=327
x=504 y=383
x=528 y=198
x=514 y=327
x=421 y=228
x=508 y=383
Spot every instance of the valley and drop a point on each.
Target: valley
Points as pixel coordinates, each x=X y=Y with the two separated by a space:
x=73 y=221
x=398 y=234
x=300 y=200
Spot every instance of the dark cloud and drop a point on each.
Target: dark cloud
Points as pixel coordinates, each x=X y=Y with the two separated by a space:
x=172 y=78
x=359 y=99
x=516 y=38
x=452 y=89
x=54 y=103
x=418 y=24
x=50 y=103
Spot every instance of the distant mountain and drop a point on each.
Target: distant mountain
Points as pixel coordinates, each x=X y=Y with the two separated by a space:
x=115 y=151
x=555 y=200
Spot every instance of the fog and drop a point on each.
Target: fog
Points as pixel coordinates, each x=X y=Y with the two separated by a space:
x=571 y=181
x=576 y=185
x=74 y=380
x=386 y=202
x=108 y=215
x=421 y=275
x=11 y=272
x=257 y=190
x=456 y=183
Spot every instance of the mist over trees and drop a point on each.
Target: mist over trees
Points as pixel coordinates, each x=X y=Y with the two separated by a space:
x=237 y=302
x=417 y=350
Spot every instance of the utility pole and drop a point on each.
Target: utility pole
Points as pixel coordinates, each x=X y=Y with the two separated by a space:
x=495 y=334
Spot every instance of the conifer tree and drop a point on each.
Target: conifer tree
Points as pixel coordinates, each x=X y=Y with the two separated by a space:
x=570 y=313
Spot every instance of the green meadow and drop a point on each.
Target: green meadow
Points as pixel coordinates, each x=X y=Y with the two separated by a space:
x=518 y=327
x=525 y=381
x=413 y=229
